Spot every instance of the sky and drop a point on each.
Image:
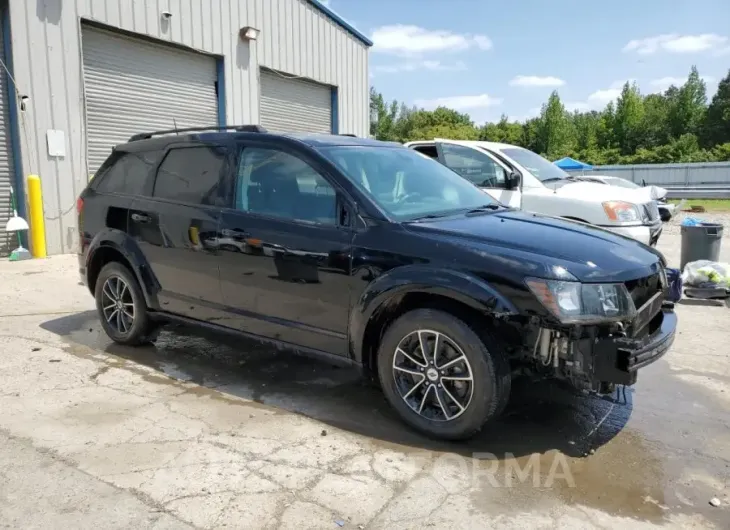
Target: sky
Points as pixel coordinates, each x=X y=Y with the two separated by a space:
x=489 y=58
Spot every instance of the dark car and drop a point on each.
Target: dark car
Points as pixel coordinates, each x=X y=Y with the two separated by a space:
x=371 y=254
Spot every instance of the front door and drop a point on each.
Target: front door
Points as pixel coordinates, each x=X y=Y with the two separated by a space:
x=481 y=169
x=177 y=230
x=285 y=250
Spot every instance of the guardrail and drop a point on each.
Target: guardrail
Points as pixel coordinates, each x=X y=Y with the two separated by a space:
x=698 y=192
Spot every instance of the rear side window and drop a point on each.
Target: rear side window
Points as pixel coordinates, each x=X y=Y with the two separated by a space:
x=128 y=173
x=191 y=174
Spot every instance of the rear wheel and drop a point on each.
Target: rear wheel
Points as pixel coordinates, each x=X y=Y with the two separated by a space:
x=121 y=306
x=440 y=376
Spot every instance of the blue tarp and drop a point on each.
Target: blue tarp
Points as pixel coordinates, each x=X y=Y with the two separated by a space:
x=570 y=164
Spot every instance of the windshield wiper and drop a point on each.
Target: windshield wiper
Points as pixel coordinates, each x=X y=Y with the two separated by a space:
x=553 y=179
x=491 y=207
x=431 y=216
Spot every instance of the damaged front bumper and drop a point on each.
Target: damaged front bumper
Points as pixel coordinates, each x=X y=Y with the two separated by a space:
x=617 y=359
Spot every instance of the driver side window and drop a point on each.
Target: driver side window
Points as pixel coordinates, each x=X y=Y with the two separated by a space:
x=475 y=166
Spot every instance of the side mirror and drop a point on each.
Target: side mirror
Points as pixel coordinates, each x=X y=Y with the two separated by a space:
x=513 y=180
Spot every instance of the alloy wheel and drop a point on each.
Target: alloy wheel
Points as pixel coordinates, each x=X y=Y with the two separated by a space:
x=117 y=304
x=433 y=375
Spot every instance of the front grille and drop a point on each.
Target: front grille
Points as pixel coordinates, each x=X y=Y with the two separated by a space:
x=651 y=211
x=643 y=289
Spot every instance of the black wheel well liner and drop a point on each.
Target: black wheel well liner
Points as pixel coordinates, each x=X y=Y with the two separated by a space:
x=400 y=304
x=103 y=255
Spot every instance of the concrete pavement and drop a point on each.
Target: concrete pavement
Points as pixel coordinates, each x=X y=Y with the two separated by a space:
x=198 y=433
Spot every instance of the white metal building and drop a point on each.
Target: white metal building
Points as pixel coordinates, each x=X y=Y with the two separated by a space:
x=90 y=73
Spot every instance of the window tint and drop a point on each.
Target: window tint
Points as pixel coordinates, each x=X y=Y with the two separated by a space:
x=271 y=182
x=474 y=165
x=191 y=174
x=128 y=173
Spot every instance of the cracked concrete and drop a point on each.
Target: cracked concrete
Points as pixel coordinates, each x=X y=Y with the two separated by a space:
x=199 y=433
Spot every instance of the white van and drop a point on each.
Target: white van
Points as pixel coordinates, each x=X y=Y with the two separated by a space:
x=522 y=179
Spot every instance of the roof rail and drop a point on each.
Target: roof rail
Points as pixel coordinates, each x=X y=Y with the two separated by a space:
x=348 y=134
x=237 y=128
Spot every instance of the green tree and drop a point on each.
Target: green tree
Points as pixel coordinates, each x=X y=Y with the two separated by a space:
x=717 y=120
x=656 y=121
x=629 y=121
x=687 y=105
x=556 y=134
x=382 y=116
x=509 y=132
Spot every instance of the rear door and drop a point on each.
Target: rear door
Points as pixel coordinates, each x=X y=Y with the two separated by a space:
x=176 y=228
x=110 y=195
x=480 y=168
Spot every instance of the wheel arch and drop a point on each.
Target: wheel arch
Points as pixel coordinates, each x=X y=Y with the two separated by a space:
x=390 y=296
x=115 y=246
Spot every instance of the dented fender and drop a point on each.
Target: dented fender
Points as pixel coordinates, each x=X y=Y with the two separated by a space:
x=459 y=286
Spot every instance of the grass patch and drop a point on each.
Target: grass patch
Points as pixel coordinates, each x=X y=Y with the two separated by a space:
x=710 y=205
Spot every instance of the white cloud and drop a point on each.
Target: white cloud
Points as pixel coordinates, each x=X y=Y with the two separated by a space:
x=412 y=66
x=601 y=98
x=408 y=40
x=580 y=106
x=536 y=81
x=661 y=84
x=675 y=43
x=479 y=101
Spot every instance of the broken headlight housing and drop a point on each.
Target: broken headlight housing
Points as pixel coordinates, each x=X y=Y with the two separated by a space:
x=583 y=303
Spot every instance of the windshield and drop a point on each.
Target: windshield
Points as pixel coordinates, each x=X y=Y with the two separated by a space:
x=622 y=183
x=405 y=183
x=542 y=169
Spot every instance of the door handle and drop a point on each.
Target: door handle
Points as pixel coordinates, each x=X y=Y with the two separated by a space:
x=141 y=218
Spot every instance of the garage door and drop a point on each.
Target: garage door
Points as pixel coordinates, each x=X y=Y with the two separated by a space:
x=295 y=105
x=134 y=86
x=7 y=241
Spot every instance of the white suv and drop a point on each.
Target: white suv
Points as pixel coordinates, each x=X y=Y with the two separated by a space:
x=522 y=179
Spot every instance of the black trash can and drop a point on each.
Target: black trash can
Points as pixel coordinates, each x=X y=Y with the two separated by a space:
x=701 y=242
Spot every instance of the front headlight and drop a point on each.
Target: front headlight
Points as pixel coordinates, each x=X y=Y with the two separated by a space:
x=623 y=212
x=583 y=303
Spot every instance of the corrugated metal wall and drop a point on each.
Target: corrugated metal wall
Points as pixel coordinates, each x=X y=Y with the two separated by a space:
x=709 y=173
x=295 y=38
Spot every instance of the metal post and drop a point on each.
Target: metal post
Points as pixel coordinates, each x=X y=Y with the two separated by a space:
x=37 y=220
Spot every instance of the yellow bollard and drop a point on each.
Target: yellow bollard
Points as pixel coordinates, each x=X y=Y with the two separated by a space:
x=35 y=214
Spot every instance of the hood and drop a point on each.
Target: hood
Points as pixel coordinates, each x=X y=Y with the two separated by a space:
x=517 y=243
x=653 y=193
x=598 y=192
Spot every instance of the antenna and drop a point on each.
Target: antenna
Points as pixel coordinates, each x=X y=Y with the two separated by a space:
x=174 y=124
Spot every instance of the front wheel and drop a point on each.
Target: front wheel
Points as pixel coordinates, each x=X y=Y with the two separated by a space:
x=442 y=378
x=121 y=306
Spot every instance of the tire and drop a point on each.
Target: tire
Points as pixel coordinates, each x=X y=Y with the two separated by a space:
x=490 y=375
x=132 y=332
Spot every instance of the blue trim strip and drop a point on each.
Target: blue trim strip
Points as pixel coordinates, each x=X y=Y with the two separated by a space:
x=221 y=75
x=335 y=111
x=337 y=19
x=19 y=184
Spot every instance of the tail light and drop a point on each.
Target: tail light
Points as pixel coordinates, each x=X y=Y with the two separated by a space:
x=79 y=205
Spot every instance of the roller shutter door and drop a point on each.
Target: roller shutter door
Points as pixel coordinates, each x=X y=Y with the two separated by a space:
x=7 y=175
x=133 y=86
x=294 y=105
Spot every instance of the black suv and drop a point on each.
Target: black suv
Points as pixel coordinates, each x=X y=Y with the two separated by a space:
x=372 y=254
